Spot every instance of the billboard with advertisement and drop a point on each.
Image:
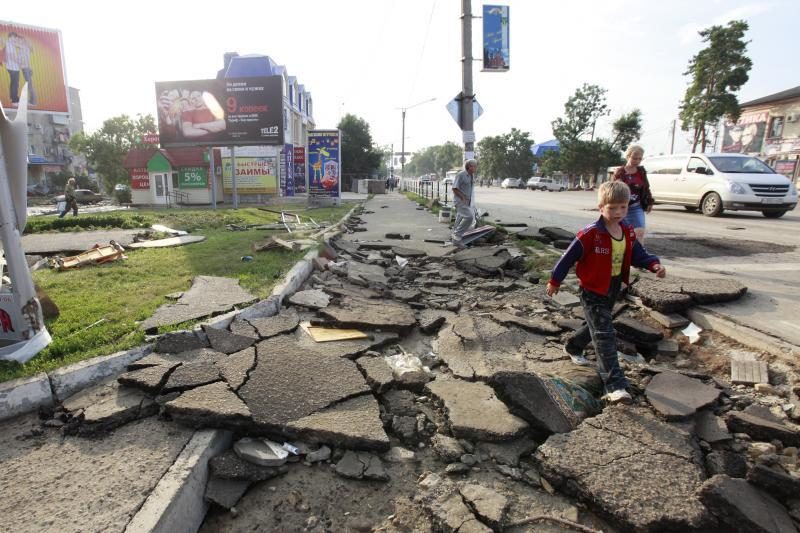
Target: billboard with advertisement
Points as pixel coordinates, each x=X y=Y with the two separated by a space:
x=193 y=178
x=495 y=39
x=324 y=163
x=300 y=169
x=254 y=175
x=786 y=167
x=747 y=135
x=140 y=179
x=229 y=112
x=32 y=55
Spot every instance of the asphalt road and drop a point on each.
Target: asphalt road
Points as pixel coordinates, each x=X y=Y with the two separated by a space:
x=759 y=252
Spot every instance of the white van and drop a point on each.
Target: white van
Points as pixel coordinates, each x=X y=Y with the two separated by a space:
x=715 y=182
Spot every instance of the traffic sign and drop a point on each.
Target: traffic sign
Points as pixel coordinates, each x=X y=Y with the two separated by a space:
x=453 y=109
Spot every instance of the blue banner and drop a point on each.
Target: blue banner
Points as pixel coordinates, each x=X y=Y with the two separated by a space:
x=324 y=163
x=287 y=170
x=495 y=38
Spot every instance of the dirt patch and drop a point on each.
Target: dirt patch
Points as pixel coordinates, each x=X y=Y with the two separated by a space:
x=681 y=246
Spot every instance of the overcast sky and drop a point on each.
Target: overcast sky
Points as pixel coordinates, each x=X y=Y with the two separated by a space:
x=372 y=57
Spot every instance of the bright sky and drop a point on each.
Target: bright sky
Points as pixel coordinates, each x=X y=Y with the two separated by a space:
x=372 y=57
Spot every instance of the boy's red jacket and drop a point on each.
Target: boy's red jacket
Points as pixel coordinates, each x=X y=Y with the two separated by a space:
x=591 y=250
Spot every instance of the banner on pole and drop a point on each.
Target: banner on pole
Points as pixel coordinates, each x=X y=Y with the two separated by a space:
x=495 y=39
x=324 y=163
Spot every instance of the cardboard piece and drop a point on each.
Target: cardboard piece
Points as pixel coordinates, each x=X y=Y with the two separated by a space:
x=321 y=334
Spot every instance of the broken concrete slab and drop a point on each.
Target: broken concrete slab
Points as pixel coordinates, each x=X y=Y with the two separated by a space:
x=431 y=320
x=447 y=448
x=566 y=299
x=299 y=341
x=483 y=261
x=531 y=324
x=208 y=296
x=405 y=295
x=172 y=359
x=774 y=481
x=190 y=376
x=225 y=492
x=169 y=242
x=226 y=342
x=726 y=462
x=149 y=379
x=506 y=453
x=475 y=412
x=284 y=322
x=624 y=478
x=107 y=406
x=402 y=251
x=743 y=507
x=377 y=372
x=361 y=465
x=228 y=465
x=676 y=294
x=209 y=406
x=448 y=510
x=711 y=428
x=557 y=234
x=365 y=275
x=359 y=313
x=636 y=331
x=489 y=505
x=311 y=299
x=350 y=290
x=242 y=327
x=352 y=423
x=671 y=320
x=678 y=397
x=761 y=428
x=235 y=367
x=179 y=341
x=291 y=384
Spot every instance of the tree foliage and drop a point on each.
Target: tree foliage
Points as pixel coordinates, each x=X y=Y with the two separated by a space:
x=359 y=155
x=579 y=156
x=435 y=160
x=717 y=72
x=506 y=156
x=105 y=149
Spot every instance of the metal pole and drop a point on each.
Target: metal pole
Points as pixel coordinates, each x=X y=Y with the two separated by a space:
x=212 y=178
x=403 y=147
x=672 y=144
x=466 y=79
x=233 y=178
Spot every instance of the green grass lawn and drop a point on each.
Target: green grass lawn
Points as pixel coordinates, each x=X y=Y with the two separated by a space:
x=101 y=305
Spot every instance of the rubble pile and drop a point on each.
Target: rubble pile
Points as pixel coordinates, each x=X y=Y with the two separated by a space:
x=454 y=365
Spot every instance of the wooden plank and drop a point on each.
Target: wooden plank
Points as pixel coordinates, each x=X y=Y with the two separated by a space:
x=749 y=372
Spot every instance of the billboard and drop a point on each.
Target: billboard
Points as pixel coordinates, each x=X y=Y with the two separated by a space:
x=324 y=163
x=254 y=175
x=32 y=55
x=299 y=169
x=140 y=179
x=495 y=38
x=229 y=112
x=747 y=135
x=193 y=178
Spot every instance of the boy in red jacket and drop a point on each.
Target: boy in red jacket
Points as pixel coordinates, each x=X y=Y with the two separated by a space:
x=604 y=252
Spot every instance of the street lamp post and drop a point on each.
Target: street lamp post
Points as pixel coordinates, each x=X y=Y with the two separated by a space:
x=403 y=140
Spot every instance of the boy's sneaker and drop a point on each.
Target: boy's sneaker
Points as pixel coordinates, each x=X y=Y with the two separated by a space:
x=577 y=359
x=618 y=396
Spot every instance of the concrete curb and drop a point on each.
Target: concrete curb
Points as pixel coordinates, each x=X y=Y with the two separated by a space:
x=707 y=319
x=176 y=504
x=66 y=381
x=24 y=394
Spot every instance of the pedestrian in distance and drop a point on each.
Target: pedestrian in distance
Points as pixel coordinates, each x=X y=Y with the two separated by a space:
x=69 y=198
x=463 y=198
x=635 y=176
x=603 y=253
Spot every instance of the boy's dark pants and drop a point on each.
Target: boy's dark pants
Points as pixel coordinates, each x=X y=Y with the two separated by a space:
x=599 y=327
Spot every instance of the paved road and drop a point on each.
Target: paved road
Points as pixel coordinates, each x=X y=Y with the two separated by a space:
x=773 y=302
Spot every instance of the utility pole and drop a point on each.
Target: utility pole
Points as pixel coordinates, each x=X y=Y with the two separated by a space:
x=467 y=96
x=403 y=147
x=672 y=144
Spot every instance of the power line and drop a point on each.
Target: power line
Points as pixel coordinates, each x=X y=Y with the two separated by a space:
x=422 y=52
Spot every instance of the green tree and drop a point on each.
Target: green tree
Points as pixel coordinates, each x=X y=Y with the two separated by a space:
x=581 y=113
x=359 y=155
x=549 y=162
x=448 y=156
x=105 y=149
x=627 y=129
x=506 y=156
x=717 y=71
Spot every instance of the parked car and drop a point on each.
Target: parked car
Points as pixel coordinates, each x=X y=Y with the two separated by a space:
x=716 y=182
x=82 y=196
x=120 y=187
x=545 y=184
x=512 y=183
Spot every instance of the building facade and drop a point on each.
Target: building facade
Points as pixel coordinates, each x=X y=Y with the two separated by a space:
x=769 y=128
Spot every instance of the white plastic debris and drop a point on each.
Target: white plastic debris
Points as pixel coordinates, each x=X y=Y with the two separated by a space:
x=407 y=366
x=401 y=261
x=260 y=451
x=692 y=331
x=294 y=450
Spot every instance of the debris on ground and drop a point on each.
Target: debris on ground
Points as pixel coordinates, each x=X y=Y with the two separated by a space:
x=97 y=255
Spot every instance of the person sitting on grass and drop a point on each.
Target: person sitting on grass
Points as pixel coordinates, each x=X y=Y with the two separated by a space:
x=603 y=252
